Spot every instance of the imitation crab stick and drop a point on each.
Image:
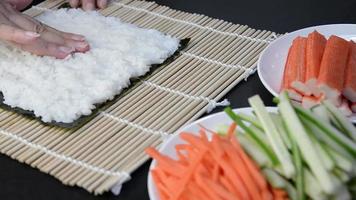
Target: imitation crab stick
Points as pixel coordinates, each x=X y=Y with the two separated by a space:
x=216 y=169
x=350 y=79
x=294 y=73
x=314 y=53
x=332 y=69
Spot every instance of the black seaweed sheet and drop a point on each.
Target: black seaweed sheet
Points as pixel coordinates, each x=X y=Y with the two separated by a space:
x=85 y=118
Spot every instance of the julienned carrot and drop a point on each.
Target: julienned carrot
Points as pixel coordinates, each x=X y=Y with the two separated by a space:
x=332 y=68
x=209 y=170
x=237 y=162
x=349 y=90
x=314 y=53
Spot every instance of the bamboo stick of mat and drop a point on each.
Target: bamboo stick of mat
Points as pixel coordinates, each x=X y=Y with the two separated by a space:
x=107 y=149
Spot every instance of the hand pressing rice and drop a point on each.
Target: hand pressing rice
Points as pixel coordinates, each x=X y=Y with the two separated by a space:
x=63 y=90
x=28 y=34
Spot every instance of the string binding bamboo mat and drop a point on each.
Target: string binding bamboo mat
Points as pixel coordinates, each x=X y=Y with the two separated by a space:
x=102 y=154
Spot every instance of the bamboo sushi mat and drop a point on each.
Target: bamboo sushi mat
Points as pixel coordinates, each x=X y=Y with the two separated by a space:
x=102 y=154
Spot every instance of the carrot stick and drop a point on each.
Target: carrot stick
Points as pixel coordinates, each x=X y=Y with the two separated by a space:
x=244 y=173
x=202 y=185
x=188 y=173
x=219 y=190
x=167 y=164
x=227 y=184
x=162 y=192
x=193 y=140
x=216 y=171
x=233 y=177
x=231 y=130
x=349 y=90
x=332 y=69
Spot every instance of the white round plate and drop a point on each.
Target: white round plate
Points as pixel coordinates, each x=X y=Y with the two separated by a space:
x=270 y=65
x=210 y=122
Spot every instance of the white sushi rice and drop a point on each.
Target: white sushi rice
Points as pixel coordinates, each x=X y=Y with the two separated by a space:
x=63 y=90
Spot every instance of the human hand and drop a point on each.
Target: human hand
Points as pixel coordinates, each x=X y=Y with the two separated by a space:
x=31 y=35
x=88 y=4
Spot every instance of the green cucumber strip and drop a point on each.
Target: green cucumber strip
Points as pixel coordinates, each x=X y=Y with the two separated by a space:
x=292 y=192
x=321 y=112
x=320 y=135
x=282 y=129
x=248 y=131
x=312 y=186
x=340 y=161
x=300 y=172
x=340 y=119
x=273 y=135
x=329 y=130
x=261 y=135
x=254 y=150
x=299 y=134
x=324 y=156
x=250 y=119
x=276 y=180
x=342 y=194
x=342 y=175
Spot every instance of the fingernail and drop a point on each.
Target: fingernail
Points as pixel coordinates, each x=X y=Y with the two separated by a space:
x=32 y=34
x=66 y=49
x=81 y=45
x=89 y=6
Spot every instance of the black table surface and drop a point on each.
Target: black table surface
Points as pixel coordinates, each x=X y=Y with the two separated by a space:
x=19 y=181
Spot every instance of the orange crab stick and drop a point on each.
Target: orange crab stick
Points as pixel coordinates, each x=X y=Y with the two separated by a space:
x=294 y=71
x=314 y=53
x=350 y=77
x=332 y=69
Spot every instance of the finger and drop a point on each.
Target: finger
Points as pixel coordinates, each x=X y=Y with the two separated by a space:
x=44 y=48
x=36 y=26
x=63 y=34
x=88 y=5
x=17 y=35
x=102 y=3
x=66 y=35
x=74 y=3
x=77 y=45
x=54 y=36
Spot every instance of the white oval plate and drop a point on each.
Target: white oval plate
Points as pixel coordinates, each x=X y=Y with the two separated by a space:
x=270 y=66
x=209 y=122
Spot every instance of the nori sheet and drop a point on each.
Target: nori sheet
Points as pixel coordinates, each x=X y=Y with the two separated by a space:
x=85 y=118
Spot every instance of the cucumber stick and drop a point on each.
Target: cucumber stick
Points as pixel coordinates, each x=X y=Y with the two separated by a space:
x=299 y=171
x=282 y=129
x=329 y=130
x=253 y=135
x=299 y=134
x=254 y=150
x=346 y=125
x=273 y=136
